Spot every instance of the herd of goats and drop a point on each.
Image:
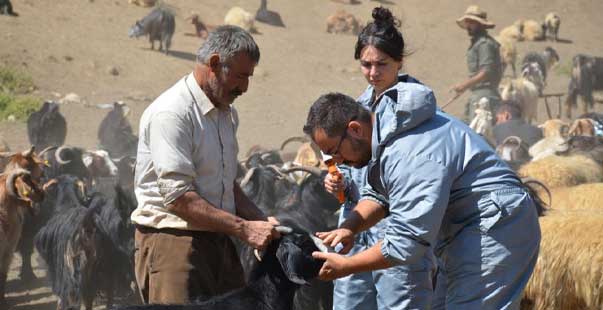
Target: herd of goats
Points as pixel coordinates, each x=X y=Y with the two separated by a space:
x=73 y=206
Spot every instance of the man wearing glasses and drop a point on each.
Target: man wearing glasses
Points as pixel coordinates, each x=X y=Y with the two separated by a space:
x=445 y=189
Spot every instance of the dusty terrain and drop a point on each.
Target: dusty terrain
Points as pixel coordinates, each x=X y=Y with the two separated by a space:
x=69 y=45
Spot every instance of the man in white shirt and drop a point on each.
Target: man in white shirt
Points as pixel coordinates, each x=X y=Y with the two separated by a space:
x=188 y=201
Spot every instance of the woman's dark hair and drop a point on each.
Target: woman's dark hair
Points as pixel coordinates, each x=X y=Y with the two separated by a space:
x=383 y=34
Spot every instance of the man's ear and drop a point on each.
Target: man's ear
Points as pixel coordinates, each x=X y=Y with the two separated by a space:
x=214 y=63
x=356 y=129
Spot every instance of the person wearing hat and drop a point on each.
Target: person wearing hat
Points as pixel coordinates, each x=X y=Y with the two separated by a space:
x=483 y=61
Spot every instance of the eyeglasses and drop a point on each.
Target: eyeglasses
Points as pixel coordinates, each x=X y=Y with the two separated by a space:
x=336 y=151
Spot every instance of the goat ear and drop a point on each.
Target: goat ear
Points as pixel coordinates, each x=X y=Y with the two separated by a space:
x=290 y=257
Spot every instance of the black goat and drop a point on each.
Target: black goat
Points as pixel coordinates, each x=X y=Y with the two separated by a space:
x=159 y=25
x=7 y=8
x=86 y=250
x=47 y=126
x=269 y=17
x=286 y=264
x=587 y=76
x=63 y=193
x=269 y=189
x=115 y=133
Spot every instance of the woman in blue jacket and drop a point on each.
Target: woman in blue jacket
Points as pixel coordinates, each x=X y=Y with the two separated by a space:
x=380 y=50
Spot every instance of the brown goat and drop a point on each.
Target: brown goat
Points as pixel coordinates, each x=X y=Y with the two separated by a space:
x=19 y=189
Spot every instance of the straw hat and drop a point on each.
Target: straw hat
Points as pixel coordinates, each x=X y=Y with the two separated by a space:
x=474 y=12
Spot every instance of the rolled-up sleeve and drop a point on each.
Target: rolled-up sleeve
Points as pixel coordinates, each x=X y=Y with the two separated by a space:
x=171 y=146
x=419 y=189
x=488 y=54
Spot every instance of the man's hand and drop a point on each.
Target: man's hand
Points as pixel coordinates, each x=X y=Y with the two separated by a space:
x=458 y=89
x=334 y=183
x=334 y=267
x=341 y=235
x=258 y=234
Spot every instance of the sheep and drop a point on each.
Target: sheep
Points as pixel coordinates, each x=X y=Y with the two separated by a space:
x=545 y=60
x=508 y=53
x=286 y=264
x=531 y=30
x=513 y=151
x=269 y=17
x=555 y=133
x=568 y=272
x=201 y=30
x=524 y=92
x=591 y=147
x=343 y=22
x=583 y=197
x=552 y=21
x=159 y=25
x=557 y=171
x=582 y=127
x=237 y=16
x=513 y=32
x=532 y=73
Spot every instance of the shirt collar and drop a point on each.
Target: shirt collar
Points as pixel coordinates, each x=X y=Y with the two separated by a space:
x=198 y=95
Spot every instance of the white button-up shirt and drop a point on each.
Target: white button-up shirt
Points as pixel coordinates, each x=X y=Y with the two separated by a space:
x=185 y=144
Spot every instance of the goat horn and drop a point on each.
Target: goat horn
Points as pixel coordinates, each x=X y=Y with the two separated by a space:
x=312 y=170
x=247 y=177
x=546 y=189
x=49 y=184
x=10 y=181
x=81 y=189
x=47 y=149
x=283 y=229
x=256 y=253
x=57 y=155
x=301 y=139
x=320 y=245
x=28 y=152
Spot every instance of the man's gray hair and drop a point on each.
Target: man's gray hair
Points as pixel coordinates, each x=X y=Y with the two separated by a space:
x=227 y=41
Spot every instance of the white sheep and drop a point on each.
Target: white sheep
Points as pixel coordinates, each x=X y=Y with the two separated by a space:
x=237 y=16
x=508 y=53
x=554 y=141
x=531 y=30
x=552 y=21
x=343 y=22
x=513 y=32
x=525 y=93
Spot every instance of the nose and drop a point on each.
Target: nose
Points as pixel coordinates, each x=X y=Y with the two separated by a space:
x=374 y=72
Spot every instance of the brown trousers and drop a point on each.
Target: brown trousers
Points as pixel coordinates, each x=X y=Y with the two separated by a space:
x=176 y=266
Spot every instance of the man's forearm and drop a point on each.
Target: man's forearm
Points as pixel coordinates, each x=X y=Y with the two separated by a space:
x=479 y=77
x=368 y=260
x=365 y=215
x=245 y=207
x=199 y=212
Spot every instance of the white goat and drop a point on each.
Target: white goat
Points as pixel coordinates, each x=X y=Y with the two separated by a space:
x=525 y=93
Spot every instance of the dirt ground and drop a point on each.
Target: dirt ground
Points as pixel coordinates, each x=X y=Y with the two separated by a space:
x=70 y=45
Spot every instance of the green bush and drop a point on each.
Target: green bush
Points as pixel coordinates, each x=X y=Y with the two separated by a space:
x=14 y=87
x=15 y=82
x=19 y=106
